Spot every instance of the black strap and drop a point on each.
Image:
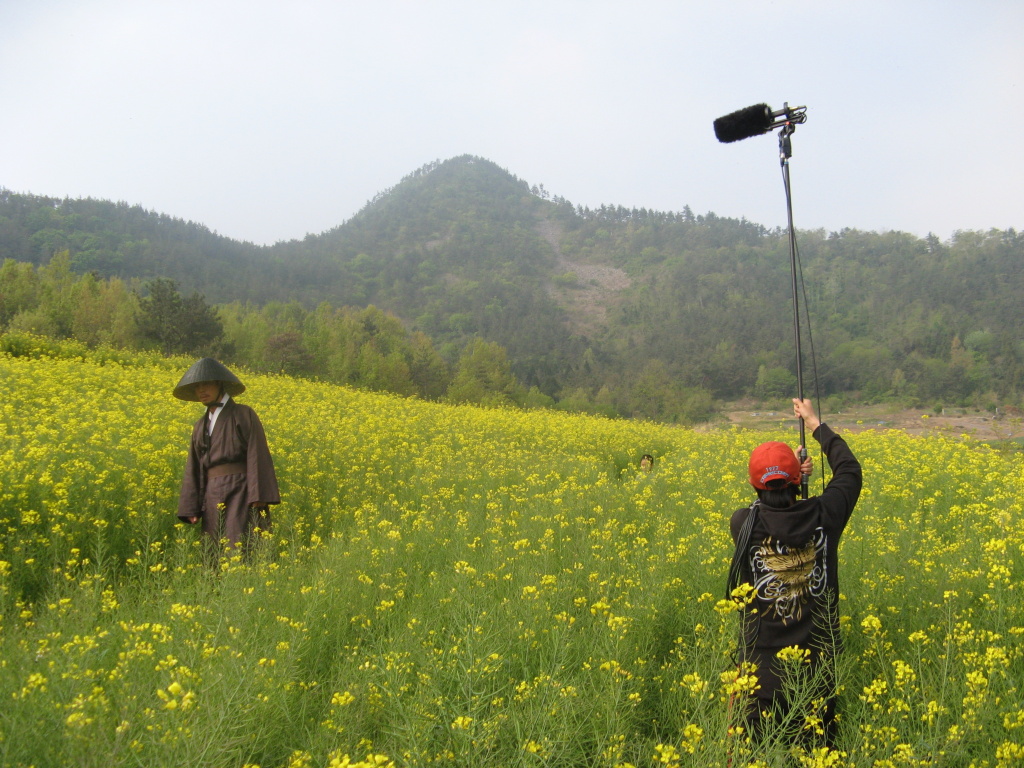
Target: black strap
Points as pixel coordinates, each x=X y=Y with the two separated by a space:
x=737 y=572
x=739 y=556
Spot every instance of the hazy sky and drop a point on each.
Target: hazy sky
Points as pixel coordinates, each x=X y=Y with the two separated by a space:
x=269 y=120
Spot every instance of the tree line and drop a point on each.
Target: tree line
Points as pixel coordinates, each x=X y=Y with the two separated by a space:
x=365 y=347
x=361 y=347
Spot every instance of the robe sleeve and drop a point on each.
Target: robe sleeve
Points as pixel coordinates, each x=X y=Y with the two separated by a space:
x=260 y=477
x=190 y=499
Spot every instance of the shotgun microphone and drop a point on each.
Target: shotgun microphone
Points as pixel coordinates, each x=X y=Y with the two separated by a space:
x=755 y=120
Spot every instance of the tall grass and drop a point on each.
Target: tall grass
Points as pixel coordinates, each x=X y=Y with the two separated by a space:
x=457 y=586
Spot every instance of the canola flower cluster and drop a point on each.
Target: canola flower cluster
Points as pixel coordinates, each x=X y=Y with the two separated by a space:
x=458 y=586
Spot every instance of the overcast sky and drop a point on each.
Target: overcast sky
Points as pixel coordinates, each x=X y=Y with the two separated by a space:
x=266 y=121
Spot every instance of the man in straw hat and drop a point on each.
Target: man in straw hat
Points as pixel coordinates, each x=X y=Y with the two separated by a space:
x=787 y=550
x=229 y=478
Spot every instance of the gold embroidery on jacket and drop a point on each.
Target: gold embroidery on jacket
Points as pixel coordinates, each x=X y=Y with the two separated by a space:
x=786 y=577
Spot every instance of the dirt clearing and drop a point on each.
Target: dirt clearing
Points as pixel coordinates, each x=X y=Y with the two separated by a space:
x=979 y=425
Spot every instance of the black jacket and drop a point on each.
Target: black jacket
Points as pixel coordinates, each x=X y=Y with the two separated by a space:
x=792 y=560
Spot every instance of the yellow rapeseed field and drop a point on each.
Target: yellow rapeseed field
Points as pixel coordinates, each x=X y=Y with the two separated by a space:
x=459 y=586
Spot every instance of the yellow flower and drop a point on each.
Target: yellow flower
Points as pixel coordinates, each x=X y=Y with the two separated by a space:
x=822 y=757
x=693 y=682
x=871 y=625
x=534 y=748
x=740 y=681
x=342 y=699
x=1008 y=754
x=692 y=734
x=794 y=654
x=666 y=754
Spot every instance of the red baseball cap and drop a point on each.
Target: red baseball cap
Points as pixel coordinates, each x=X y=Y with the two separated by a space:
x=773 y=461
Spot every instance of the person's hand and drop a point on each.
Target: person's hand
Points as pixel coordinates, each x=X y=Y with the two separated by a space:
x=804 y=409
x=193 y=519
x=807 y=465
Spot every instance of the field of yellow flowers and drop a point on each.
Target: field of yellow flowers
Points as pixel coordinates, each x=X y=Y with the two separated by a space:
x=458 y=586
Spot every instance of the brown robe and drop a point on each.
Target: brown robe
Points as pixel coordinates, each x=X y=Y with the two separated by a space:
x=238 y=438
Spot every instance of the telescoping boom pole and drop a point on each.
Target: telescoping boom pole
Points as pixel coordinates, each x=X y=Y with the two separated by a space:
x=785 y=152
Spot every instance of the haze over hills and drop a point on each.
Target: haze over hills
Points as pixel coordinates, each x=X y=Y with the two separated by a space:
x=658 y=313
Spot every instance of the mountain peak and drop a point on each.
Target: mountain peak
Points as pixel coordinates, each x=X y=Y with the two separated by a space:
x=462 y=179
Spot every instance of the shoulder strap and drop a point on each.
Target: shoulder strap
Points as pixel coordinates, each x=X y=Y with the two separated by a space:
x=739 y=556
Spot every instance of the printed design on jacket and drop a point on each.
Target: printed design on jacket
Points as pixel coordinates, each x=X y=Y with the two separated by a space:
x=786 y=577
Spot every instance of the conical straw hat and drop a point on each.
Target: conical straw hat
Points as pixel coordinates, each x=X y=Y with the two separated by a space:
x=207 y=369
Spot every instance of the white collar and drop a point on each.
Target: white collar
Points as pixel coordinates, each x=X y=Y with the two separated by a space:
x=213 y=417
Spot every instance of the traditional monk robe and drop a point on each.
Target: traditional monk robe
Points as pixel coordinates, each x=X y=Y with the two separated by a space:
x=238 y=439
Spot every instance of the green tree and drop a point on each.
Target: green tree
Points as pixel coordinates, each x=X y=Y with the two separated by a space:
x=774 y=382
x=427 y=368
x=658 y=395
x=177 y=325
x=652 y=394
x=286 y=353
x=104 y=312
x=483 y=376
x=19 y=289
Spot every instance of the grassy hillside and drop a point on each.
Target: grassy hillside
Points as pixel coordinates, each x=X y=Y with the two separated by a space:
x=458 y=586
x=643 y=313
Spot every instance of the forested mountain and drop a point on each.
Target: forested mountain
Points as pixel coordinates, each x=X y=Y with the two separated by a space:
x=633 y=312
